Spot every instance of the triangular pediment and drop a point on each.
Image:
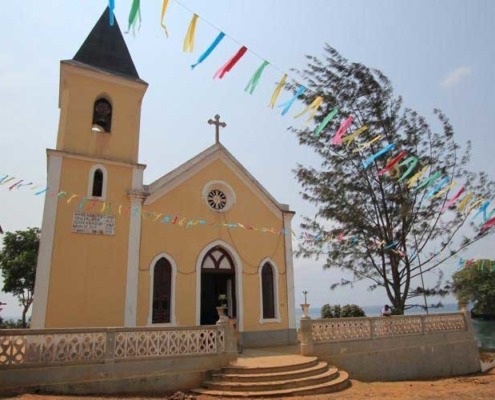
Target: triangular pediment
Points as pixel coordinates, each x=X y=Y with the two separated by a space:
x=179 y=175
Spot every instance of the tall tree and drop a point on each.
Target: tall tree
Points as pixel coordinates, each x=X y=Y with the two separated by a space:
x=376 y=218
x=18 y=264
x=475 y=283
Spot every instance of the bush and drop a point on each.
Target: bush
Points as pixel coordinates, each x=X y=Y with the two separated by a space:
x=337 y=311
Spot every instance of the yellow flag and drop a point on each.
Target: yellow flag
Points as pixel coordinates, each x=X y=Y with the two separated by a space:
x=164 y=10
x=354 y=135
x=462 y=205
x=415 y=177
x=189 y=39
x=313 y=107
x=277 y=90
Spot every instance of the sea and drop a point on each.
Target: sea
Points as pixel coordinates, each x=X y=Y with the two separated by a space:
x=483 y=330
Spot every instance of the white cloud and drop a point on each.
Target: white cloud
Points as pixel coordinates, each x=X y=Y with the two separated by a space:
x=455 y=76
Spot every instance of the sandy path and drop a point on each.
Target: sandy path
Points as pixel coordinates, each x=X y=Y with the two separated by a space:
x=473 y=387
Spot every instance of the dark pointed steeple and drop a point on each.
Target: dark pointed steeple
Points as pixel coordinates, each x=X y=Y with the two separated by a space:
x=105 y=48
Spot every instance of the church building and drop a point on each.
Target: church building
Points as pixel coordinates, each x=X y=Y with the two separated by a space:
x=117 y=252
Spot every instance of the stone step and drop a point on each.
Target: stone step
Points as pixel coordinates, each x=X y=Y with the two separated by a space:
x=319 y=368
x=280 y=365
x=291 y=383
x=334 y=385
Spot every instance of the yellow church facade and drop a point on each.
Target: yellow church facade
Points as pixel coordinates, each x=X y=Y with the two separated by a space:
x=117 y=252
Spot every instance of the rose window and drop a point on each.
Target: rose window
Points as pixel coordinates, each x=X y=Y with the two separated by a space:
x=217 y=199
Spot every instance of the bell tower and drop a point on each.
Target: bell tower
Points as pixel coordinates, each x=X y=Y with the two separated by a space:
x=100 y=97
x=88 y=239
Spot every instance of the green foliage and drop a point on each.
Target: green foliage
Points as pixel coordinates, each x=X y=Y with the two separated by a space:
x=18 y=260
x=357 y=209
x=336 y=311
x=222 y=300
x=476 y=284
x=11 y=324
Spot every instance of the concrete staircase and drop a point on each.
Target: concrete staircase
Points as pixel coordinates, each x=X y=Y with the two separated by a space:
x=275 y=376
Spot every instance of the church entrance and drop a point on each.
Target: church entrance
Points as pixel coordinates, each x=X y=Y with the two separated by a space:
x=217 y=278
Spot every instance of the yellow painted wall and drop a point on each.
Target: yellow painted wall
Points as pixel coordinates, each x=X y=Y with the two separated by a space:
x=185 y=244
x=88 y=272
x=79 y=88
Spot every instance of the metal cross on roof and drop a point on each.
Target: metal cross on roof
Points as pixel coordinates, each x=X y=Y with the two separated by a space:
x=217 y=124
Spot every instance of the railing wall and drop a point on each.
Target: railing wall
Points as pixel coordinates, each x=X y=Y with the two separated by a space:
x=51 y=347
x=396 y=347
x=342 y=329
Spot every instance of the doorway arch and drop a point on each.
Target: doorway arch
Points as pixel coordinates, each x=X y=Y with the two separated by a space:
x=218 y=263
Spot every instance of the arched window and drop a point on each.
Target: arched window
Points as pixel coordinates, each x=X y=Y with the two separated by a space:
x=102 y=116
x=162 y=292
x=268 y=291
x=97 y=183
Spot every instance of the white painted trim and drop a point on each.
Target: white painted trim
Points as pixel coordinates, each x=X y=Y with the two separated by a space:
x=133 y=246
x=43 y=267
x=67 y=154
x=98 y=74
x=238 y=281
x=137 y=178
x=172 y=289
x=91 y=177
x=289 y=271
x=276 y=301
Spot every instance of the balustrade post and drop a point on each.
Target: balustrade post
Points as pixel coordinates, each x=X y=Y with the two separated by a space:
x=423 y=324
x=110 y=346
x=372 y=327
x=306 y=330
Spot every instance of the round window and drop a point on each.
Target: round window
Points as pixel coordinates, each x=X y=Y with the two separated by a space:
x=217 y=199
x=219 y=196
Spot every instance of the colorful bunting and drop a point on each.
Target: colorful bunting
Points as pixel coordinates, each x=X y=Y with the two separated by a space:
x=393 y=162
x=411 y=161
x=361 y=147
x=416 y=176
x=462 y=205
x=369 y=160
x=437 y=187
x=111 y=6
x=208 y=51
x=326 y=121
x=253 y=82
x=231 y=63
x=189 y=39
x=488 y=224
x=429 y=181
x=312 y=108
x=337 y=139
x=277 y=90
x=134 y=15
x=288 y=104
x=453 y=199
x=164 y=10
x=350 y=138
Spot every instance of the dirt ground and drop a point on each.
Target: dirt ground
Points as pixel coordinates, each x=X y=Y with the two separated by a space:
x=474 y=387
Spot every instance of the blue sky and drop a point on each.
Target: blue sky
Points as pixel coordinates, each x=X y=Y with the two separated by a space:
x=437 y=54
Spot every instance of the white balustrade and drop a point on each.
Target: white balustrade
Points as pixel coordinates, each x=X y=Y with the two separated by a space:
x=78 y=346
x=343 y=329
